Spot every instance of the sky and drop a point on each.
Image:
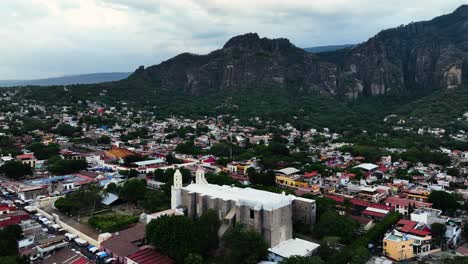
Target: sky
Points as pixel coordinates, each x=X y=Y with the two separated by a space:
x=49 y=38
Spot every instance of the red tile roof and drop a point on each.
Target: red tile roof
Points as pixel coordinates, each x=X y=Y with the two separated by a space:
x=372 y=213
x=150 y=256
x=26 y=156
x=405 y=202
x=310 y=174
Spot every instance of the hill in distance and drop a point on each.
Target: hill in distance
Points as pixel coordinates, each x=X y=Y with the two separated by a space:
x=328 y=48
x=68 y=79
x=254 y=76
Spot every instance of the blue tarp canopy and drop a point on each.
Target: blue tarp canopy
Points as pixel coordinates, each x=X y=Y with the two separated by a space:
x=102 y=254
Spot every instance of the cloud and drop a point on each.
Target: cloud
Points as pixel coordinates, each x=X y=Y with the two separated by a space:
x=44 y=38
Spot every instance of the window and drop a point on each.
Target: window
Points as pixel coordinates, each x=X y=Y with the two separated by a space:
x=252 y=214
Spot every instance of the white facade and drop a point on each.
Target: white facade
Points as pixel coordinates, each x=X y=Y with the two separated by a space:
x=176 y=190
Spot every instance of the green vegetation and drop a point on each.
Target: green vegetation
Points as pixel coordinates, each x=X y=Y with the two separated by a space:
x=438 y=233
x=60 y=166
x=180 y=238
x=85 y=200
x=43 y=152
x=222 y=178
x=112 y=222
x=331 y=223
x=357 y=252
x=9 y=246
x=444 y=201
x=15 y=170
x=242 y=245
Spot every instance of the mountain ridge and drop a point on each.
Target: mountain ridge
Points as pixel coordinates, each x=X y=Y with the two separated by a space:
x=417 y=58
x=88 y=78
x=328 y=48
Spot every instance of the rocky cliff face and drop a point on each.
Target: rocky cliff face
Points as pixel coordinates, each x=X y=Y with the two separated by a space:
x=418 y=57
x=245 y=62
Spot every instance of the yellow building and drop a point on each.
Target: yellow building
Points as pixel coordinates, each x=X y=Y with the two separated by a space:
x=417 y=195
x=398 y=247
x=287 y=182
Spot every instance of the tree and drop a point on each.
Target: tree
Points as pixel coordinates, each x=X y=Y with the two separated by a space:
x=302 y=260
x=112 y=187
x=66 y=130
x=221 y=179
x=438 y=232
x=265 y=179
x=173 y=235
x=133 y=190
x=60 y=166
x=323 y=204
x=104 y=140
x=328 y=247
x=155 y=201
x=85 y=199
x=333 y=224
x=244 y=246
x=453 y=172
x=187 y=147
x=360 y=255
x=8 y=237
x=15 y=170
x=193 y=258
x=207 y=227
x=443 y=201
x=170 y=159
x=42 y=151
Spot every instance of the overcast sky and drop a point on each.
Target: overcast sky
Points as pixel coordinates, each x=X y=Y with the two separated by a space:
x=45 y=38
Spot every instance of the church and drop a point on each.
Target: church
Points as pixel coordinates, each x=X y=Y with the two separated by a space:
x=270 y=214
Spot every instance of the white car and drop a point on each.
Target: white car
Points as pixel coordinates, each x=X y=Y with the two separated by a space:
x=109 y=260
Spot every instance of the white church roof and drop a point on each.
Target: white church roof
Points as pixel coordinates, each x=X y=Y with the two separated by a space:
x=294 y=247
x=243 y=196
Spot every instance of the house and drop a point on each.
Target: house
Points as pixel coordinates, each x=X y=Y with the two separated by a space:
x=408 y=240
x=28 y=159
x=124 y=243
x=405 y=205
x=65 y=256
x=10 y=216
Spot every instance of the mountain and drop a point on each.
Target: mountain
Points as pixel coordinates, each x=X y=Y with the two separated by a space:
x=69 y=79
x=413 y=59
x=399 y=71
x=328 y=48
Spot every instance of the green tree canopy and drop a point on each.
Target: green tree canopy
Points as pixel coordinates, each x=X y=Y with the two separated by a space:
x=332 y=224
x=244 y=245
x=133 y=190
x=174 y=236
x=443 y=201
x=15 y=169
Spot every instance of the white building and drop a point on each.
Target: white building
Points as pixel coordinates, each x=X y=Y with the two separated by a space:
x=292 y=247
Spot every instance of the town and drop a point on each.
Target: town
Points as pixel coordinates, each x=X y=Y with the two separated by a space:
x=94 y=183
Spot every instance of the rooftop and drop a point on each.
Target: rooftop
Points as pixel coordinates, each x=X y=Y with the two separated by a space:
x=150 y=256
x=294 y=247
x=243 y=196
